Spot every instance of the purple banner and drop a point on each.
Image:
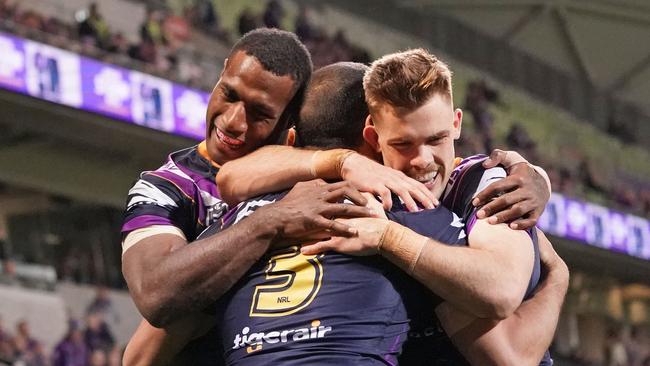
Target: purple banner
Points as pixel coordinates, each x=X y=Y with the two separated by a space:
x=12 y=64
x=597 y=225
x=63 y=77
x=190 y=107
x=107 y=89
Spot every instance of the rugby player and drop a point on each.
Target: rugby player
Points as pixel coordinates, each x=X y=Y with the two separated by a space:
x=489 y=269
x=257 y=272
x=259 y=91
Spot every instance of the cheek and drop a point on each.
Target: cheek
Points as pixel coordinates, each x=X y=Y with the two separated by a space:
x=258 y=132
x=395 y=160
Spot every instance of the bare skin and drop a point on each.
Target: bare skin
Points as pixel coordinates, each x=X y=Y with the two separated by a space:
x=160 y=267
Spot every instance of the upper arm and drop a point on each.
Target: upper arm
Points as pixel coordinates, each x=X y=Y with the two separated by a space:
x=513 y=249
x=480 y=340
x=145 y=254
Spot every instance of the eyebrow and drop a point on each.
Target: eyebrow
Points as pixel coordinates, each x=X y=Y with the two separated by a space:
x=435 y=136
x=230 y=90
x=439 y=135
x=263 y=108
x=257 y=106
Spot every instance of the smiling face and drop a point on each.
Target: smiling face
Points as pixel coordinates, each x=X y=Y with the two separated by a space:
x=244 y=108
x=420 y=143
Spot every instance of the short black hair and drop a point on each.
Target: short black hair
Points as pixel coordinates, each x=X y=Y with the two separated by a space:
x=281 y=53
x=334 y=112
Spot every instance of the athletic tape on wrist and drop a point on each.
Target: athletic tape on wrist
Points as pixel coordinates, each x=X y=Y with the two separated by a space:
x=402 y=243
x=327 y=164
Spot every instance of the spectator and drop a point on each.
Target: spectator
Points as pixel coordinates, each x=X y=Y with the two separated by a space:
x=6 y=348
x=273 y=14
x=97 y=335
x=615 y=354
x=93 y=27
x=98 y=358
x=206 y=17
x=8 y=276
x=7 y=9
x=72 y=350
x=477 y=100
x=145 y=52
x=303 y=27
x=103 y=305
x=247 y=21
x=518 y=138
x=151 y=29
x=26 y=348
x=636 y=347
x=118 y=44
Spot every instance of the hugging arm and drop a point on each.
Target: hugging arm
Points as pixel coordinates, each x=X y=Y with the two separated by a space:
x=523 y=337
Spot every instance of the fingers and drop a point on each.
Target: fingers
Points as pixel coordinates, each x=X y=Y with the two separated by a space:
x=335 y=227
x=410 y=190
x=523 y=224
x=386 y=198
x=317 y=248
x=496 y=157
x=495 y=189
x=499 y=204
x=344 y=192
x=345 y=210
x=423 y=195
x=405 y=195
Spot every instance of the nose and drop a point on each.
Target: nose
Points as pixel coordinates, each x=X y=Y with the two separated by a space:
x=423 y=159
x=234 y=120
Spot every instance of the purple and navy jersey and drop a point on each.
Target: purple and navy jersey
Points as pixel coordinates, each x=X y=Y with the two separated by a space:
x=432 y=346
x=182 y=193
x=328 y=309
x=467 y=180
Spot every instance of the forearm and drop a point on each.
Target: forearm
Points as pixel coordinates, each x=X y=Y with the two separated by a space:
x=150 y=346
x=165 y=285
x=484 y=283
x=274 y=168
x=520 y=339
x=268 y=169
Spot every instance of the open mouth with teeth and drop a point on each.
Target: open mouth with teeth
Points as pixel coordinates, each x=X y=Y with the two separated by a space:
x=228 y=141
x=428 y=179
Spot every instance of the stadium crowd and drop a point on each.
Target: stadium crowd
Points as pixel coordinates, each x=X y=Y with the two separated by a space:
x=162 y=35
x=575 y=176
x=89 y=343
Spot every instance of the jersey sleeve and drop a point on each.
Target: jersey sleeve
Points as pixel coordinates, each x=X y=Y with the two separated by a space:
x=468 y=180
x=240 y=212
x=154 y=200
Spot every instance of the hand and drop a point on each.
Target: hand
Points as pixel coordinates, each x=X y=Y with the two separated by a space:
x=366 y=242
x=369 y=176
x=309 y=209
x=520 y=198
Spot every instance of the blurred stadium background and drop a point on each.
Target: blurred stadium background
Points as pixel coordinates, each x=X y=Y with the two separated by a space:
x=92 y=95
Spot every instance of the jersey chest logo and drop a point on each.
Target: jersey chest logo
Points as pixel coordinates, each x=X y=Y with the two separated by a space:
x=292 y=282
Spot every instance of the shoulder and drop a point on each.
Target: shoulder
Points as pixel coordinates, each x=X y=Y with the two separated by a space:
x=246 y=208
x=467 y=180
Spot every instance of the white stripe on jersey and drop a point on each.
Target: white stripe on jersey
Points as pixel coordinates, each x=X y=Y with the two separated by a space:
x=146 y=193
x=247 y=208
x=489 y=176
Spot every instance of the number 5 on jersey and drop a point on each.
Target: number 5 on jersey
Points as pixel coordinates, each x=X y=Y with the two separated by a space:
x=292 y=282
